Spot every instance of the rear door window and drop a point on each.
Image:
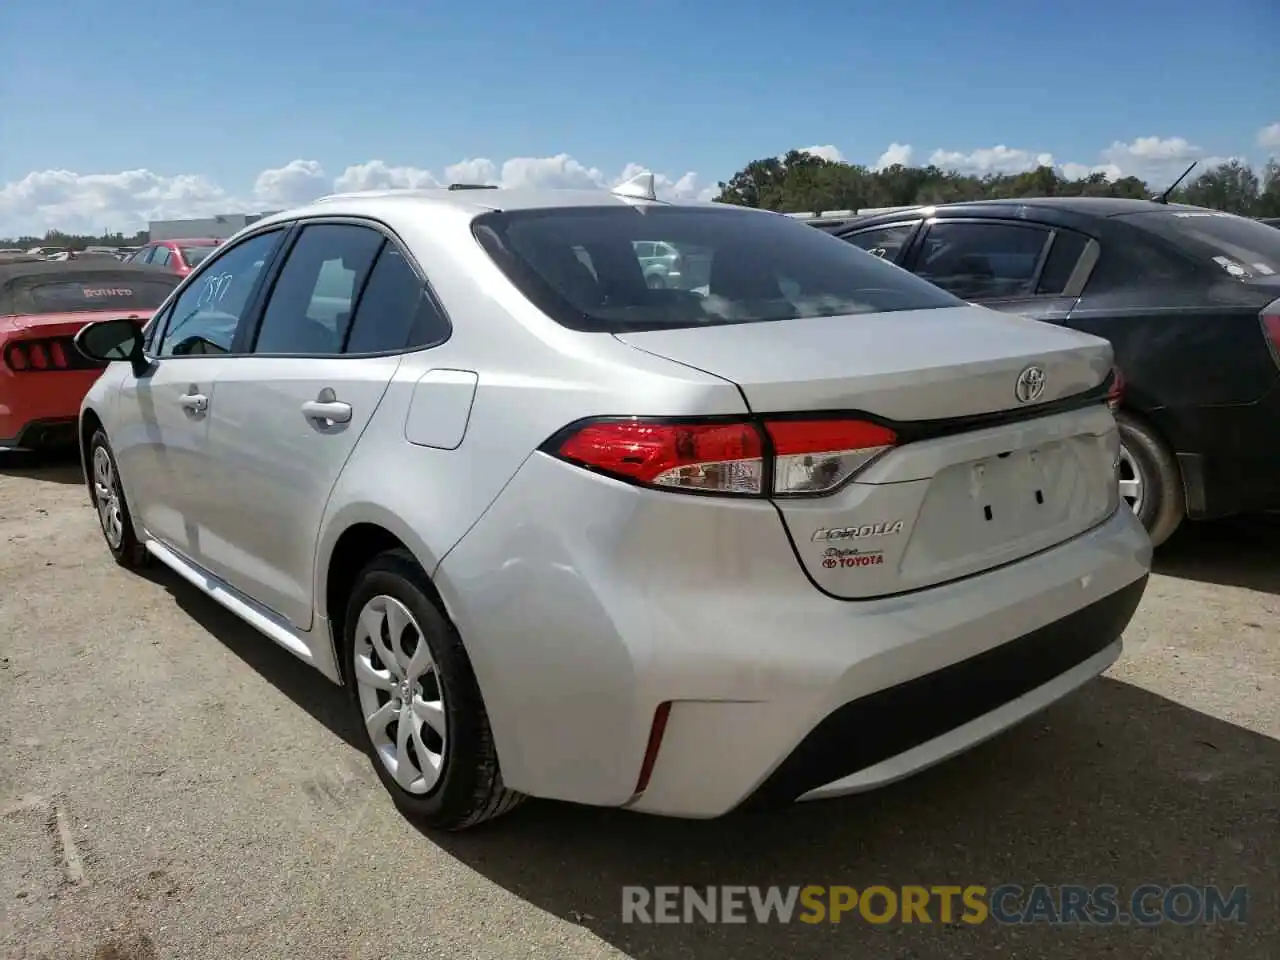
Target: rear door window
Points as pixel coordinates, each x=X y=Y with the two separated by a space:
x=1242 y=248
x=396 y=310
x=310 y=306
x=160 y=257
x=1068 y=247
x=983 y=261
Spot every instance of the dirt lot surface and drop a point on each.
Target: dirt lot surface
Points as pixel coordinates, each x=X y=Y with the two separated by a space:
x=173 y=785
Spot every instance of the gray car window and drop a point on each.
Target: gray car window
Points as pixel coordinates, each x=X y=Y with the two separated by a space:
x=204 y=319
x=310 y=306
x=983 y=261
x=395 y=311
x=885 y=242
x=731 y=266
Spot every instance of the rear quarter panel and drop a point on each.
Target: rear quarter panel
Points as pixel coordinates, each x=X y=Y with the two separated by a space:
x=532 y=377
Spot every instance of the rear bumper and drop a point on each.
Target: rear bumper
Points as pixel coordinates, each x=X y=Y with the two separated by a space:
x=41 y=409
x=934 y=716
x=584 y=612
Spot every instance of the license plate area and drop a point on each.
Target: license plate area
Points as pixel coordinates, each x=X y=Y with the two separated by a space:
x=994 y=509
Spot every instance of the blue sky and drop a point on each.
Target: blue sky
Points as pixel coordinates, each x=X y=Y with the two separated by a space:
x=231 y=88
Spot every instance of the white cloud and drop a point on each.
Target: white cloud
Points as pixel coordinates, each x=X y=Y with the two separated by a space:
x=88 y=203
x=997 y=159
x=896 y=153
x=298 y=181
x=826 y=152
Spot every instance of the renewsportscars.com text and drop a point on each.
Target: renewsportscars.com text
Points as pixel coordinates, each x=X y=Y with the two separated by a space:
x=1145 y=905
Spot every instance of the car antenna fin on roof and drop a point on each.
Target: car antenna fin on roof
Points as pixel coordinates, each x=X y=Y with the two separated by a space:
x=1164 y=197
x=643 y=186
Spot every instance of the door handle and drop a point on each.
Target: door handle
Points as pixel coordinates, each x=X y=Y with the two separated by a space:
x=334 y=411
x=195 y=402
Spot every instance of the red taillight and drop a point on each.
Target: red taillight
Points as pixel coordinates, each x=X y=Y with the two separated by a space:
x=1115 y=393
x=784 y=457
x=16 y=357
x=1271 y=327
x=23 y=356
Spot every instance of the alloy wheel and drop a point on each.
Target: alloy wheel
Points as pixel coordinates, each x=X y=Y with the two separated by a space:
x=401 y=697
x=1132 y=483
x=106 y=495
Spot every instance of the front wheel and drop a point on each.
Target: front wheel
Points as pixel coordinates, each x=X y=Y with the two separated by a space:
x=1150 y=481
x=417 y=700
x=106 y=493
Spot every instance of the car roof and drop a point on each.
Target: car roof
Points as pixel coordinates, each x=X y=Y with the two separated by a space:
x=188 y=241
x=1087 y=206
x=471 y=202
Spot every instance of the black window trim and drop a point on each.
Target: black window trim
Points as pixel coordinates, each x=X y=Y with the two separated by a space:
x=389 y=236
x=166 y=308
x=1076 y=281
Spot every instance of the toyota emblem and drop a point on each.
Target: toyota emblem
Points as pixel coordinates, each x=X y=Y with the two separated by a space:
x=1030 y=384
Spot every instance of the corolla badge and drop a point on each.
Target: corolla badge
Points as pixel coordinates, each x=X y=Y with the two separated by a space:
x=1030 y=384
x=857 y=533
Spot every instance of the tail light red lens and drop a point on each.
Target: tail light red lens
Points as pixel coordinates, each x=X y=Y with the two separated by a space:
x=33 y=356
x=1115 y=393
x=1271 y=328
x=782 y=457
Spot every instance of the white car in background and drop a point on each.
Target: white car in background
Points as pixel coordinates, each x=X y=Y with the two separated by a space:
x=562 y=534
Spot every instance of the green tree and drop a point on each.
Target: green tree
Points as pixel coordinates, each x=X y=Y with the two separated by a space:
x=800 y=181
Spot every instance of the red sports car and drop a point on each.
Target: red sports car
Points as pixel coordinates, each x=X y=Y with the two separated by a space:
x=43 y=377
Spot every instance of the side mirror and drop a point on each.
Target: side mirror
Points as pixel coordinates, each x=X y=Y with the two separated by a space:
x=111 y=340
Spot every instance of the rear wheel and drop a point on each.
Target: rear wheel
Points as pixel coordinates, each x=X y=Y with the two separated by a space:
x=107 y=495
x=1150 y=482
x=417 y=700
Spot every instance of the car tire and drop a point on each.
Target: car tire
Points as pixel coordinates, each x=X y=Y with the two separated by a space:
x=469 y=788
x=104 y=484
x=1162 y=503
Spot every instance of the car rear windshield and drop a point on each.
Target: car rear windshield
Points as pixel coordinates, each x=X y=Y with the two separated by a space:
x=1242 y=247
x=99 y=293
x=193 y=255
x=590 y=268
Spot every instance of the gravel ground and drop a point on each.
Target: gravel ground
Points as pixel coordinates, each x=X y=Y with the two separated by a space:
x=173 y=785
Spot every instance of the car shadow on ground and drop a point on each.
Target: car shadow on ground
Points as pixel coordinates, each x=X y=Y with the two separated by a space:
x=302 y=684
x=56 y=466
x=1114 y=785
x=1235 y=552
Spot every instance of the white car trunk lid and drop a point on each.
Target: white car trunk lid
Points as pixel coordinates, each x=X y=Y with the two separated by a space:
x=977 y=478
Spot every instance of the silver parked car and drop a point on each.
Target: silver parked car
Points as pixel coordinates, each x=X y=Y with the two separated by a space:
x=799 y=532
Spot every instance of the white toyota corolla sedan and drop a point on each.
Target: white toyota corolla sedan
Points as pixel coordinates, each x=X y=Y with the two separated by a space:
x=794 y=526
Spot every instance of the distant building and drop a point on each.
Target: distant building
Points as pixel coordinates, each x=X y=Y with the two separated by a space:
x=219 y=227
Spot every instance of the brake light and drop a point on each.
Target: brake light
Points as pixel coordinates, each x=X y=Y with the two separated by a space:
x=1271 y=328
x=1115 y=393
x=30 y=356
x=781 y=457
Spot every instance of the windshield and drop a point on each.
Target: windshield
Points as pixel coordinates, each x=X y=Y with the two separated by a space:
x=99 y=293
x=1243 y=248
x=627 y=268
x=193 y=255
